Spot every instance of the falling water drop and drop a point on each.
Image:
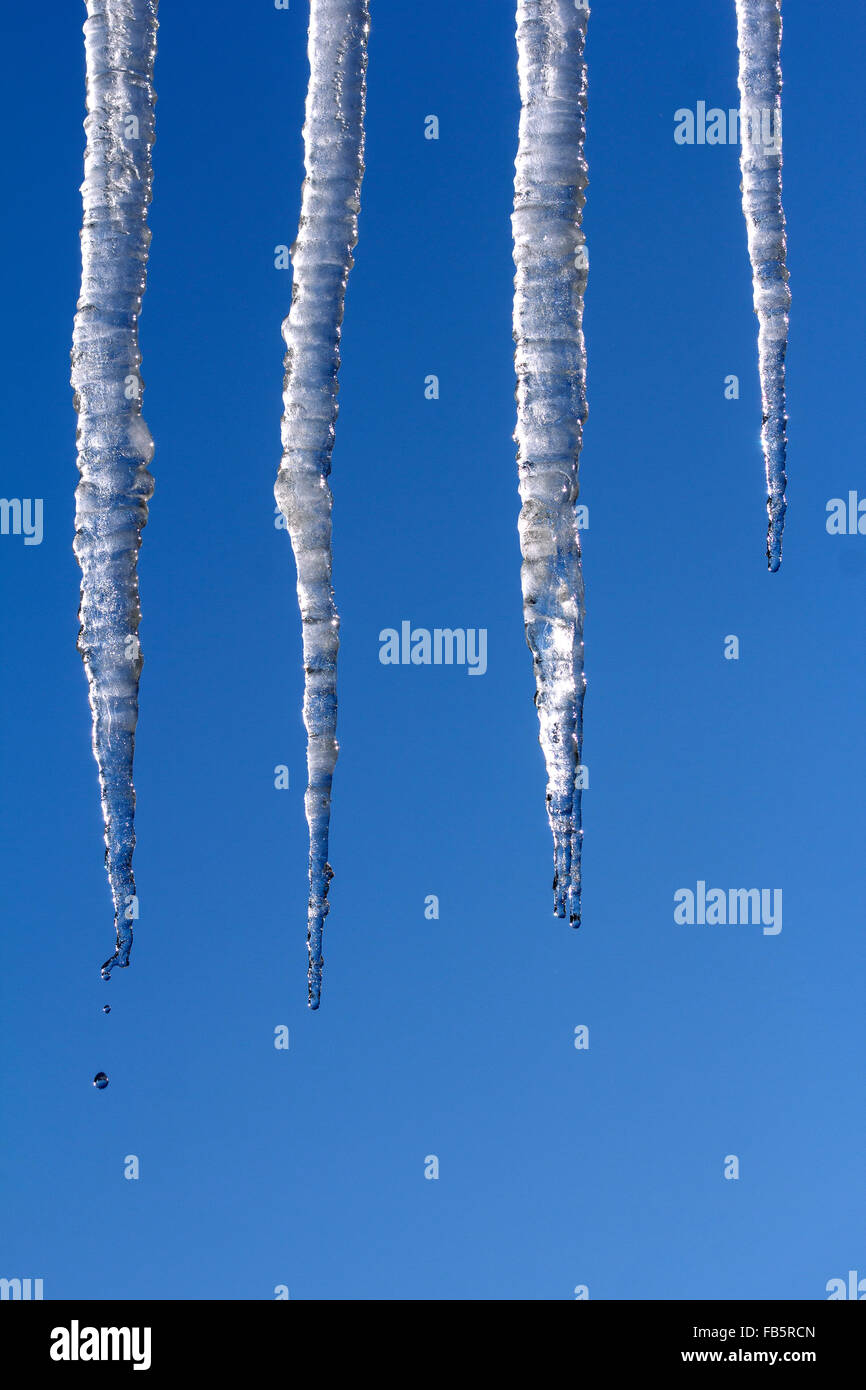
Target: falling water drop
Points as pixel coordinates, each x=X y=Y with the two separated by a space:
x=106 y=1008
x=100 y=1081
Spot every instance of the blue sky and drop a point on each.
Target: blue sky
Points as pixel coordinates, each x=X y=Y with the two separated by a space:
x=558 y=1167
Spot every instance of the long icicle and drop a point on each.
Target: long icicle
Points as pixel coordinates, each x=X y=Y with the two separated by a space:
x=759 y=37
x=321 y=260
x=114 y=444
x=550 y=363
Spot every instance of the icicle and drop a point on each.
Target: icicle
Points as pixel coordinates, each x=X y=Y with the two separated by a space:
x=114 y=444
x=550 y=362
x=322 y=259
x=759 y=36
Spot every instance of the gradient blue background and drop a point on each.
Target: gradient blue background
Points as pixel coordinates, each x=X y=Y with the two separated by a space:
x=452 y=1037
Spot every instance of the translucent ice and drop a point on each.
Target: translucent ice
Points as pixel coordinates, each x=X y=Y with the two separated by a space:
x=759 y=36
x=321 y=259
x=550 y=361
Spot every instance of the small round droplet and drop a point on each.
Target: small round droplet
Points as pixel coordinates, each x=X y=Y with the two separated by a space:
x=100 y=1081
x=106 y=974
x=106 y=1008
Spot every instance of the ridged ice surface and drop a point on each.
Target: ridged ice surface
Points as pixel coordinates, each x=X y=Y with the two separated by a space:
x=550 y=361
x=321 y=260
x=759 y=37
x=114 y=444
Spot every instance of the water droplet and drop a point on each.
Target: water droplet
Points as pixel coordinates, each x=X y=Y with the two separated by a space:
x=106 y=1008
x=100 y=1081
